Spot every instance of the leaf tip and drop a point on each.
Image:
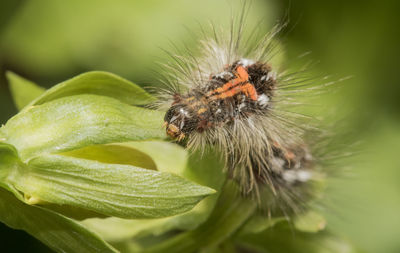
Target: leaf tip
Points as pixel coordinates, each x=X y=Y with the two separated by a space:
x=206 y=191
x=22 y=90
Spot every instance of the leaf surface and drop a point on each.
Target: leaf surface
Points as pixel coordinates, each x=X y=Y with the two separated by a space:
x=111 y=189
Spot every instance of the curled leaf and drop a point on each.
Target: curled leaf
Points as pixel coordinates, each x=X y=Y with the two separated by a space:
x=97 y=83
x=111 y=189
x=77 y=121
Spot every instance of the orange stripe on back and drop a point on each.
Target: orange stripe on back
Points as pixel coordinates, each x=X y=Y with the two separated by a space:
x=248 y=90
x=232 y=87
x=241 y=77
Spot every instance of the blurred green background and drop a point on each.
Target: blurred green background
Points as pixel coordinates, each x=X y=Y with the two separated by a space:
x=49 y=41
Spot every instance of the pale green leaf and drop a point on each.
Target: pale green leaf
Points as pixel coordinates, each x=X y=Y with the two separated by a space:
x=111 y=189
x=77 y=121
x=56 y=231
x=22 y=90
x=97 y=83
x=114 y=153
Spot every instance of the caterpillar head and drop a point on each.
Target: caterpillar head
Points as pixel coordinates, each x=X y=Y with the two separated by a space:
x=180 y=121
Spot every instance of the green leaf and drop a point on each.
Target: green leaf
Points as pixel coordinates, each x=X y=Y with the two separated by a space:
x=205 y=169
x=56 y=231
x=77 y=121
x=97 y=83
x=111 y=189
x=23 y=90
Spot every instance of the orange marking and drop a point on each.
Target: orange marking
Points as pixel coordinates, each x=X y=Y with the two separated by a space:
x=249 y=91
x=242 y=73
x=232 y=87
x=241 y=77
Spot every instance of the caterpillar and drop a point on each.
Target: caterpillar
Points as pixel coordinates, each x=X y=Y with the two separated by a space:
x=232 y=97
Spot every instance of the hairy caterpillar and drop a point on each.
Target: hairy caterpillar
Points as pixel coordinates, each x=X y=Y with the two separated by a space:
x=233 y=98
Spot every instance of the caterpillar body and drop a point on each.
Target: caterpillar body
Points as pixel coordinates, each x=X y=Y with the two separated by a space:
x=231 y=97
